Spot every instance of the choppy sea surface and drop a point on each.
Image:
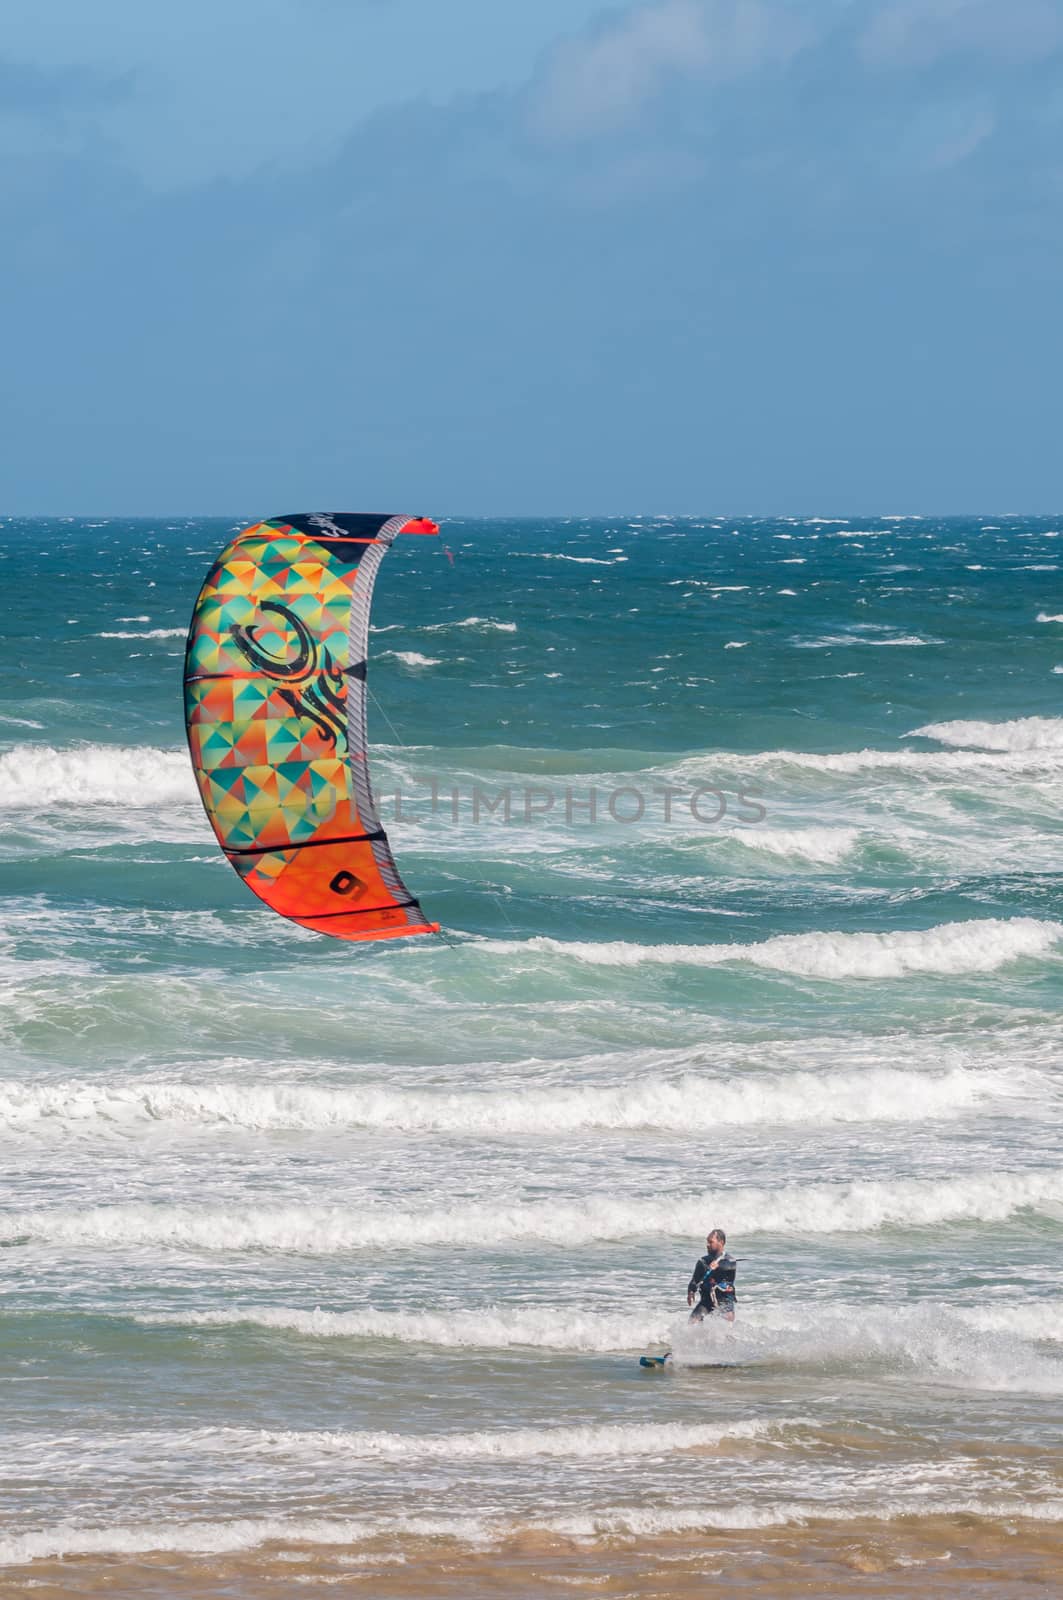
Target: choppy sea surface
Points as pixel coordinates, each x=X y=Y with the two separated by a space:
x=329 y=1264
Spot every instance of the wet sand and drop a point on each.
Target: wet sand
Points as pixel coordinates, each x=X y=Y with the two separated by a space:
x=951 y=1556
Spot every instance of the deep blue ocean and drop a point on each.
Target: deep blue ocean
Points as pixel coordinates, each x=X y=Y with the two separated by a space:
x=358 y=1246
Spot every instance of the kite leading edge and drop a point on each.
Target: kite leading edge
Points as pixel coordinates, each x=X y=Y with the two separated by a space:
x=275 y=707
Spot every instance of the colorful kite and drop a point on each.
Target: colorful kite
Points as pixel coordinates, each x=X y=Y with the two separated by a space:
x=275 y=692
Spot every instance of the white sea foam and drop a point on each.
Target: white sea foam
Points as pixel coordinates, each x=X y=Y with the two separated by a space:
x=120 y=775
x=580 y=1442
x=951 y=948
x=875 y=1094
x=1023 y=733
x=855 y=1207
x=491 y=1328
x=145 y=776
x=1043 y=616
x=409 y=658
x=1019 y=1319
x=962 y=1346
x=928 y=1334
x=584 y=561
x=832 y=641
x=150 y=633
x=481 y=624
x=991 y=765
x=824 y=846
x=246 y=1534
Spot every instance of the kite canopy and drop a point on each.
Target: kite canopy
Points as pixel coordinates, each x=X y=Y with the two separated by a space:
x=275 y=691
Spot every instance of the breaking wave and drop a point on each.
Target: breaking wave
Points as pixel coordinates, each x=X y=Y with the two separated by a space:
x=852 y=1207
x=952 y=948
x=148 y=633
x=148 y=777
x=822 y=846
x=493 y=1328
x=833 y=641
x=119 y=775
x=989 y=764
x=1024 y=733
x=872 y=1095
x=948 y=1338
x=583 y=561
x=409 y=658
x=130 y=1453
x=961 y=1347
x=481 y=624
x=247 y=1534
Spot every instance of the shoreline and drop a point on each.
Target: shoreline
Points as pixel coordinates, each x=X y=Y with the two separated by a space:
x=906 y=1556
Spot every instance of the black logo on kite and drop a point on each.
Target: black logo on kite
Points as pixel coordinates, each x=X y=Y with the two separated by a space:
x=346 y=883
x=322 y=702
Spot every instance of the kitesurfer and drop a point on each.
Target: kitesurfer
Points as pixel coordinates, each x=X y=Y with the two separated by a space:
x=712 y=1284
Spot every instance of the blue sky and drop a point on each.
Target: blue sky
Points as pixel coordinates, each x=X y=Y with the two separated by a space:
x=502 y=256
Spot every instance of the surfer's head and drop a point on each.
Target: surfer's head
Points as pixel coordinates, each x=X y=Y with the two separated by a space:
x=717 y=1239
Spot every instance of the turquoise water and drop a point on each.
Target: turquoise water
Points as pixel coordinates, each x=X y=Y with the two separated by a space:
x=310 y=1241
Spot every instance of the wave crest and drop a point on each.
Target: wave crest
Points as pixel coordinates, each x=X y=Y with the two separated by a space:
x=851 y=1207
x=950 y=949
x=134 y=776
x=881 y=1094
x=1023 y=733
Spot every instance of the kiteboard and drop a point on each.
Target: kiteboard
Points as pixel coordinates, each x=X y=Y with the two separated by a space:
x=662 y=1363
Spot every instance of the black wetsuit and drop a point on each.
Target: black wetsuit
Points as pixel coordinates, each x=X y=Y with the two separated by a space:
x=714 y=1280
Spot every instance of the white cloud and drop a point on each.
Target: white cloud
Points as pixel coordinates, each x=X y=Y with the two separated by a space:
x=943 y=132
x=227 y=88
x=971 y=127
x=917 y=32
x=599 y=81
